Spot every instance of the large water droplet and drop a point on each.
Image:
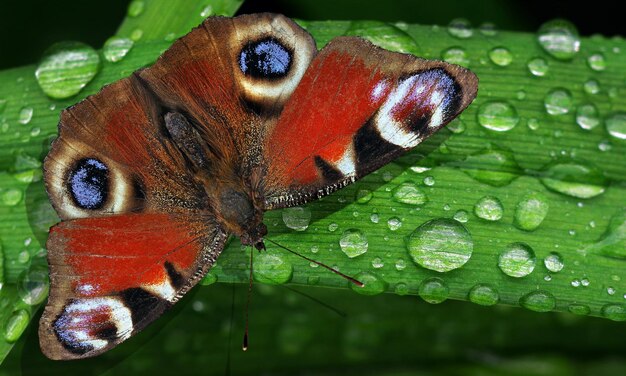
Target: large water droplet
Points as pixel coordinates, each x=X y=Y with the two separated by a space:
x=530 y=211
x=456 y=55
x=587 y=116
x=559 y=38
x=538 y=301
x=25 y=116
x=373 y=285
x=353 y=243
x=579 y=309
x=15 y=325
x=297 y=218
x=489 y=208
x=66 y=68
x=558 y=101
x=434 y=290
x=538 y=67
x=554 y=262
x=597 y=62
x=517 y=260
x=409 y=193
x=574 y=179
x=496 y=167
x=484 y=295
x=614 y=311
x=272 y=268
x=115 y=48
x=441 y=245
x=394 y=223
x=33 y=285
x=499 y=116
x=460 y=28
x=10 y=197
x=616 y=125
x=501 y=56
x=135 y=8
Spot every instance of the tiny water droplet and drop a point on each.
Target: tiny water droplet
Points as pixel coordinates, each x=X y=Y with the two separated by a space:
x=272 y=268
x=409 y=193
x=66 y=68
x=456 y=55
x=460 y=28
x=377 y=263
x=115 y=48
x=401 y=289
x=538 y=67
x=587 y=116
x=394 y=223
x=400 y=264
x=26 y=114
x=499 y=116
x=538 y=301
x=136 y=34
x=610 y=290
x=597 y=62
x=530 y=211
x=574 y=179
x=441 y=245
x=558 y=101
x=373 y=285
x=374 y=217
x=15 y=325
x=457 y=126
x=363 y=196
x=533 y=124
x=484 y=295
x=616 y=125
x=332 y=227
x=10 y=197
x=33 y=285
x=517 y=260
x=501 y=56
x=434 y=290
x=591 y=87
x=488 y=29
x=614 y=311
x=554 y=262
x=297 y=218
x=353 y=243
x=575 y=282
x=135 y=8
x=489 y=208
x=429 y=181
x=559 y=38
x=579 y=309
x=461 y=216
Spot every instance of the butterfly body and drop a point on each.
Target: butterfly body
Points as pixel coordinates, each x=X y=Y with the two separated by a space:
x=243 y=115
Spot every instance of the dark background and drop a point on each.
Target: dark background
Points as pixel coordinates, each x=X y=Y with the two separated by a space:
x=28 y=27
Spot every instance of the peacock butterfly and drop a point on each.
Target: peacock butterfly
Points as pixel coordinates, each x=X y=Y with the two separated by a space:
x=242 y=115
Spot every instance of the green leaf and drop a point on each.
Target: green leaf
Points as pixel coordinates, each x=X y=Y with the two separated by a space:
x=529 y=141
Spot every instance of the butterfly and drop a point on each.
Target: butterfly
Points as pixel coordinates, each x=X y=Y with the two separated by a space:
x=151 y=175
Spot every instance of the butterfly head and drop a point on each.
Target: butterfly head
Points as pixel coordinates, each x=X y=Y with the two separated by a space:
x=254 y=236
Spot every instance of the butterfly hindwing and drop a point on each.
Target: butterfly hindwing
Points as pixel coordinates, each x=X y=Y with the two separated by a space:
x=357 y=108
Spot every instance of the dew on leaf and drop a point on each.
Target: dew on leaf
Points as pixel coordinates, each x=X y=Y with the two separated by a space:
x=489 y=208
x=530 y=211
x=517 y=260
x=484 y=295
x=434 y=290
x=559 y=38
x=538 y=301
x=497 y=115
x=440 y=244
x=353 y=243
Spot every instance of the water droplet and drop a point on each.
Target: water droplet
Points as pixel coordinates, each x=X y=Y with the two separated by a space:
x=533 y=124
x=297 y=218
x=373 y=284
x=136 y=34
x=554 y=262
x=441 y=245
x=384 y=35
x=135 y=8
x=377 y=263
x=115 y=48
x=591 y=87
x=434 y=290
x=584 y=282
x=66 y=68
x=353 y=243
x=496 y=167
x=616 y=125
x=23 y=257
x=460 y=28
x=332 y=227
x=33 y=285
x=409 y=193
x=530 y=211
x=400 y=264
x=363 y=196
x=272 y=268
x=15 y=325
x=456 y=126
x=614 y=311
x=538 y=67
x=597 y=62
x=394 y=223
x=401 y=289
x=456 y=55
x=559 y=38
x=575 y=282
x=374 y=217
x=538 y=301
x=484 y=295
x=429 y=181
x=313 y=279
x=558 y=101
x=579 y=309
x=209 y=279
x=517 y=260
x=613 y=242
x=489 y=208
x=10 y=197
x=461 y=216
x=488 y=29
x=26 y=114
x=574 y=179
x=520 y=95
x=499 y=116
x=587 y=116
x=387 y=176
x=501 y=56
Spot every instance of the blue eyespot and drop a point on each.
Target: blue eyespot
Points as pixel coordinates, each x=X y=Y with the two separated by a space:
x=266 y=58
x=89 y=183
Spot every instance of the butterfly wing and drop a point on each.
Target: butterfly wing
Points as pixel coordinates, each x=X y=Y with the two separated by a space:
x=356 y=108
x=137 y=231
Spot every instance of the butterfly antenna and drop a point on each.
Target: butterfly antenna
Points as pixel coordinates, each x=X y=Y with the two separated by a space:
x=244 y=347
x=356 y=282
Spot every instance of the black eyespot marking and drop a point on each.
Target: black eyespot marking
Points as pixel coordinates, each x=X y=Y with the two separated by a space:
x=265 y=58
x=88 y=184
